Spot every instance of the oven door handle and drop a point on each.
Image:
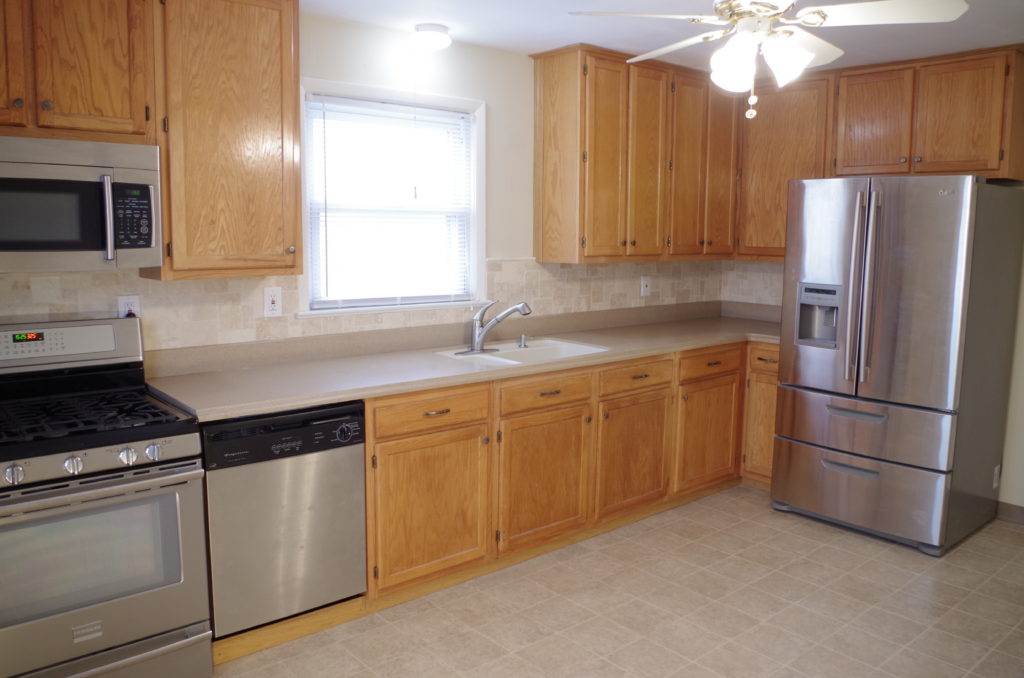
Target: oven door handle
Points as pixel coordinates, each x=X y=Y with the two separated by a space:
x=17 y=511
x=107 y=669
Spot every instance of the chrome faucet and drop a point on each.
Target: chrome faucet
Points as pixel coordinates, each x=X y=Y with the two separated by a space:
x=480 y=330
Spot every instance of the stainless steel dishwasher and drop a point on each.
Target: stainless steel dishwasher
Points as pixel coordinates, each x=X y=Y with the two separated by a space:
x=286 y=513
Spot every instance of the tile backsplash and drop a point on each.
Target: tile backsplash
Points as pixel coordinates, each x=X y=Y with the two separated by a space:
x=186 y=313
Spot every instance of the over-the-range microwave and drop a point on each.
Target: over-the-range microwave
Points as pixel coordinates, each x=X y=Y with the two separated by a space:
x=78 y=205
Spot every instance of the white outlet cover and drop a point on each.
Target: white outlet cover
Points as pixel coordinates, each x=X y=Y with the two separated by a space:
x=645 y=286
x=271 y=302
x=129 y=303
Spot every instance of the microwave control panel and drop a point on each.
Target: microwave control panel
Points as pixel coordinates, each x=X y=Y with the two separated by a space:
x=133 y=216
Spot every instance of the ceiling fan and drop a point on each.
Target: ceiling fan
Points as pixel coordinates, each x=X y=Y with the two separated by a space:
x=770 y=28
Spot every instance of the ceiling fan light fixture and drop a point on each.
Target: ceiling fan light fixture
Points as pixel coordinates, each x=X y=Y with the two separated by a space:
x=733 y=66
x=432 y=36
x=785 y=57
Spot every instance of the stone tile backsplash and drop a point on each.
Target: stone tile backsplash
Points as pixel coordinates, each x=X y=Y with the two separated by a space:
x=183 y=313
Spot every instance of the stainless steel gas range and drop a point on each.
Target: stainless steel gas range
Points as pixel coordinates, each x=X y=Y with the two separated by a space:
x=102 y=534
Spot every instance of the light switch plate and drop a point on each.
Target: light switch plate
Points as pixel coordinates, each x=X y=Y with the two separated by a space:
x=645 y=286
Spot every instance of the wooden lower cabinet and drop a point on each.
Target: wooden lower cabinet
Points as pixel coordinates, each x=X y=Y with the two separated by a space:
x=759 y=412
x=543 y=475
x=632 y=450
x=709 y=418
x=431 y=503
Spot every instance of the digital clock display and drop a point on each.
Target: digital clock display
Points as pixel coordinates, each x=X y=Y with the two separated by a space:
x=25 y=337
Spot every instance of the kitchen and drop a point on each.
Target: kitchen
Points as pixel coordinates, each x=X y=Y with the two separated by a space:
x=224 y=315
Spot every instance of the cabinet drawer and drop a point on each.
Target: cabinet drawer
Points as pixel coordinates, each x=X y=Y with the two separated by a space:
x=549 y=391
x=763 y=359
x=635 y=376
x=435 y=411
x=696 y=365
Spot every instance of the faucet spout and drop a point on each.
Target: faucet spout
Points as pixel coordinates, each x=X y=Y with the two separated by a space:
x=480 y=330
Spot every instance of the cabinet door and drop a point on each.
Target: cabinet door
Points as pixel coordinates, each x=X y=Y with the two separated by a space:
x=13 y=85
x=542 y=475
x=785 y=141
x=708 y=426
x=606 y=124
x=689 y=140
x=431 y=503
x=649 y=107
x=720 y=191
x=874 y=117
x=633 y=440
x=759 y=425
x=959 y=115
x=233 y=103
x=93 y=64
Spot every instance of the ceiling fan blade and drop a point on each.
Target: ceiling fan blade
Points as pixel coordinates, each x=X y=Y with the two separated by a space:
x=882 y=12
x=697 y=39
x=692 y=18
x=824 y=52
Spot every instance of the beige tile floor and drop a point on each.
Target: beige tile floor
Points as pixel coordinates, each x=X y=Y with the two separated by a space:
x=722 y=587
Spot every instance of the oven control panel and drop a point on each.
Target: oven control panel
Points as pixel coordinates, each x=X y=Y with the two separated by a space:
x=133 y=215
x=42 y=342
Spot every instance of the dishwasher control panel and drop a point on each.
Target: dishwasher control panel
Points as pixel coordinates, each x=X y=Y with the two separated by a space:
x=260 y=438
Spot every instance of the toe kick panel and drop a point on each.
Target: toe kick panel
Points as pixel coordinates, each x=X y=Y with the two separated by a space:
x=908 y=503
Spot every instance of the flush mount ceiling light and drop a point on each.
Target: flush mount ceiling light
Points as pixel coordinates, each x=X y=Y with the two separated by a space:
x=758 y=26
x=432 y=36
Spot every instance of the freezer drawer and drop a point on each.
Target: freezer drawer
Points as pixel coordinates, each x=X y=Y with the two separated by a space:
x=906 y=503
x=905 y=435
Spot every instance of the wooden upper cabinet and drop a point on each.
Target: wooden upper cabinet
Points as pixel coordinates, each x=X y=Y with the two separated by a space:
x=873 y=122
x=689 y=151
x=93 y=64
x=720 y=183
x=958 y=122
x=605 y=121
x=14 y=98
x=649 y=146
x=786 y=140
x=233 y=139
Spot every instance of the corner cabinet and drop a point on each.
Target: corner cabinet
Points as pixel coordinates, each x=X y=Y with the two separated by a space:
x=78 y=69
x=232 y=139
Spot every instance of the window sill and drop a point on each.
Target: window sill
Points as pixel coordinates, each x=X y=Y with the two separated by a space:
x=373 y=310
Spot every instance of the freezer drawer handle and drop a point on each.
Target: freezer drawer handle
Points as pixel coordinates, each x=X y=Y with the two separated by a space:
x=852 y=470
x=855 y=414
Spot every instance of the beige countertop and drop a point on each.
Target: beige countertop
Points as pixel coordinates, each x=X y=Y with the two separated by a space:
x=262 y=389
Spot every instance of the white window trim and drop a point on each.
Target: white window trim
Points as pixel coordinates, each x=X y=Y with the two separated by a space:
x=478 y=210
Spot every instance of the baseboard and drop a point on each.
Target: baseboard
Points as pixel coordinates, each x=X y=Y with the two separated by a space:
x=1010 y=512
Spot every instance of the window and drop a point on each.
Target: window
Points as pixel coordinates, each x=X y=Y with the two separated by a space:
x=390 y=191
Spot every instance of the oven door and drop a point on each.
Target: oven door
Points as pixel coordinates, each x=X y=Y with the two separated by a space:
x=63 y=218
x=99 y=563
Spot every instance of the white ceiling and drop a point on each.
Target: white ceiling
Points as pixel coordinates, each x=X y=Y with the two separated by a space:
x=529 y=26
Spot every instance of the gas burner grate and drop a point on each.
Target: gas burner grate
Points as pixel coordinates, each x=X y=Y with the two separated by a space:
x=41 y=418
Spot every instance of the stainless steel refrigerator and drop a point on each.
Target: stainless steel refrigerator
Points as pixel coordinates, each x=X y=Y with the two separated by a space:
x=899 y=315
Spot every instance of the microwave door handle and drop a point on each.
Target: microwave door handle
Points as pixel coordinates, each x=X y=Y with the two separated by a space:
x=108 y=215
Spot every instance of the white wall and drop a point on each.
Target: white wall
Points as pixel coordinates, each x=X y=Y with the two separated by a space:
x=364 y=55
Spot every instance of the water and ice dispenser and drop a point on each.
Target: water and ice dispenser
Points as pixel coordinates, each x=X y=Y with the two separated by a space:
x=818 y=322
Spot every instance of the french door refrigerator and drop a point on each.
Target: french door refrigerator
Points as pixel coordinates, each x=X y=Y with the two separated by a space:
x=899 y=314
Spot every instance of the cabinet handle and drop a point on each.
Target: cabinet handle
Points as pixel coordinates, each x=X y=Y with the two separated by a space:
x=767 y=360
x=47 y=105
x=550 y=393
x=606 y=415
x=903 y=158
x=19 y=103
x=917 y=158
x=641 y=376
x=623 y=243
x=701 y=243
x=437 y=413
x=291 y=250
x=633 y=243
x=714 y=362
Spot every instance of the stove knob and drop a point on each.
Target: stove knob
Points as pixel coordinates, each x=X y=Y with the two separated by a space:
x=128 y=456
x=154 y=452
x=74 y=465
x=14 y=474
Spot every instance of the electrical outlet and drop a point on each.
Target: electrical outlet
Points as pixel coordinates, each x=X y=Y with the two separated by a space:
x=645 y=286
x=271 y=302
x=129 y=305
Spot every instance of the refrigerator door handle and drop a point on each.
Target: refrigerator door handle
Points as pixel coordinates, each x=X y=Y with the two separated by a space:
x=867 y=312
x=850 y=357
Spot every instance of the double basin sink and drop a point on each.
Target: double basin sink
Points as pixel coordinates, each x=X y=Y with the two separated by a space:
x=509 y=353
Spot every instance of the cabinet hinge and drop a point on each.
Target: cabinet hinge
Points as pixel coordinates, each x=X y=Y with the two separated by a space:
x=373 y=461
x=586 y=69
x=834 y=163
x=376 y=572
x=499 y=436
x=166 y=126
x=497 y=535
x=168 y=250
x=583 y=243
x=147 y=113
x=671 y=165
x=1001 y=153
x=668 y=241
x=584 y=156
x=673 y=86
x=1006 y=71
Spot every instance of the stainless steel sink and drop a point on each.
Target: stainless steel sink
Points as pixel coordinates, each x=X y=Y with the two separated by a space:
x=536 y=351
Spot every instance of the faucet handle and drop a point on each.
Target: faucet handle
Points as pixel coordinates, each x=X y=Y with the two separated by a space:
x=479 y=315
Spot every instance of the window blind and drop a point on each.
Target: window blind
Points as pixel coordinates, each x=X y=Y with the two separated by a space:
x=389 y=192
